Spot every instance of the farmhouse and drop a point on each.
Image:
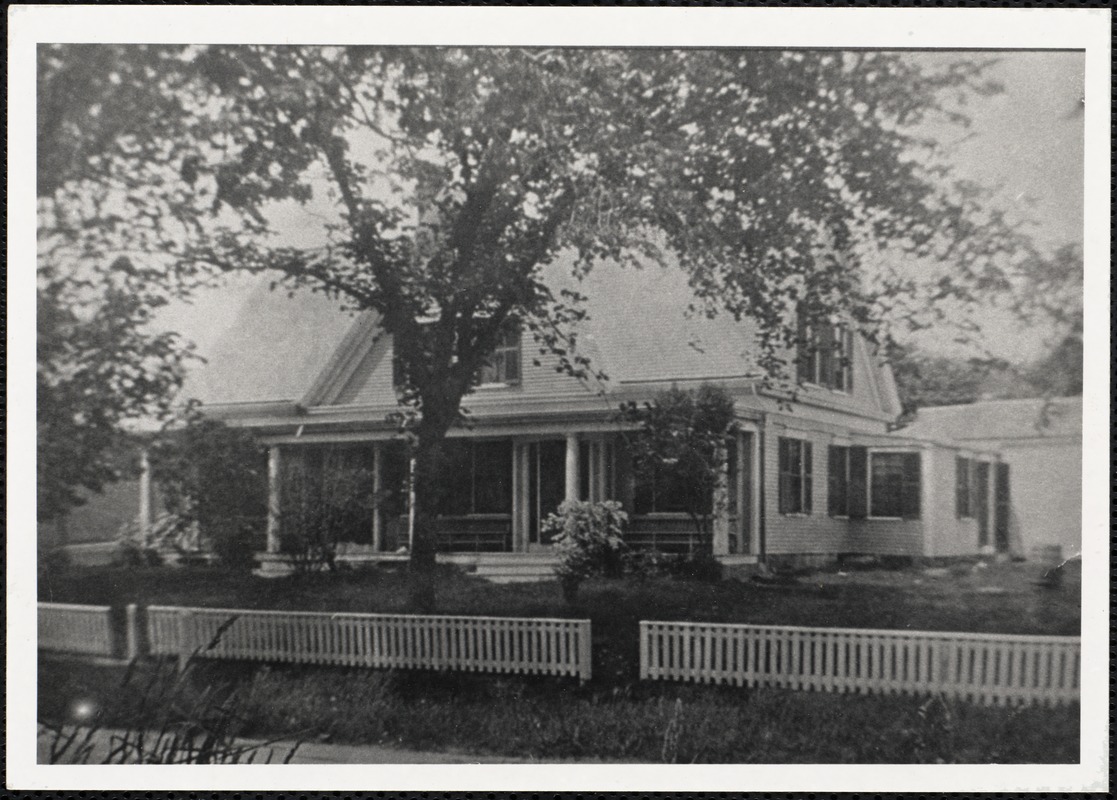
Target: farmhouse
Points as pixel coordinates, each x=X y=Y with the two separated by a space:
x=814 y=473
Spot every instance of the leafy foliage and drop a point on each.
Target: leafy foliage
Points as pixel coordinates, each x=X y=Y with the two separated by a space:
x=214 y=477
x=110 y=214
x=682 y=441
x=321 y=498
x=588 y=538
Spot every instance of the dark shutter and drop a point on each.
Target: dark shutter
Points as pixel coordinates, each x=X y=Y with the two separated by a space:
x=804 y=361
x=961 y=487
x=858 y=474
x=847 y=358
x=808 y=463
x=781 y=468
x=838 y=481
x=911 y=487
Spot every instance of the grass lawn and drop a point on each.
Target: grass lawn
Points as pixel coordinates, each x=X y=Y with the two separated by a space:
x=616 y=716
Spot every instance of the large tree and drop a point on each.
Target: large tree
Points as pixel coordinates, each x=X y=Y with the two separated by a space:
x=456 y=174
x=110 y=218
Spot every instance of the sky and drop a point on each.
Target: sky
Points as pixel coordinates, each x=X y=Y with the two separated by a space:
x=1028 y=141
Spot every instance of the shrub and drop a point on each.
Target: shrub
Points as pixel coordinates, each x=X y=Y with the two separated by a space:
x=588 y=539
x=214 y=478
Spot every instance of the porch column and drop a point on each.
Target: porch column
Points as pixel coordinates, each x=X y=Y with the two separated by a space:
x=274 y=490
x=521 y=500
x=411 y=505
x=572 y=466
x=144 y=519
x=721 y=506
x=377 y=490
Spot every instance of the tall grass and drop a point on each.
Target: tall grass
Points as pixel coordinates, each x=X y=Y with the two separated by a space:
x=538 y=719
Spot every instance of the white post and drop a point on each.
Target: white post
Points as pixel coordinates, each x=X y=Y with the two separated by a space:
x=572 y=466
x=721 y=506
x=144 y=519
x=274 y=490
x=377 y=489
x=411 y=505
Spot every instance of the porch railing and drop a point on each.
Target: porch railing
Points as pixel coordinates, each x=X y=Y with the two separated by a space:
x=65 y=628
x=481 y=644
x=984 y=668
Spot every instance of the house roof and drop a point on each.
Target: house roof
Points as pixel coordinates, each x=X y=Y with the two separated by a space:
x=275 y=350
x=1028 y=418
x=639 y=322
x=305 y=349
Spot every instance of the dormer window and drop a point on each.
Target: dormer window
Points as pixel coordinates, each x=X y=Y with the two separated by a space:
x=826 y=355
x=503 y=366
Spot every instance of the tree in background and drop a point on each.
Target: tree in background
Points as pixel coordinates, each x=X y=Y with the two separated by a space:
x=456 y=174
x=111 y=214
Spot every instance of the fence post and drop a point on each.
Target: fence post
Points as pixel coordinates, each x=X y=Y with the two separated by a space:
x=585 y=663
x=184 y=638
x=132 y=631
x=645 y=651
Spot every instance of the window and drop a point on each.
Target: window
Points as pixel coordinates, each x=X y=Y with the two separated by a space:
x=963 y=487
x=478 y=478
x=504 y=364
x=838 y=481
x=826 y=355
x=795 y=459
x=894 y=485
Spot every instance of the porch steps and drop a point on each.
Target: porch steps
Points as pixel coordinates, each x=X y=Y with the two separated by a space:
x=516 y=567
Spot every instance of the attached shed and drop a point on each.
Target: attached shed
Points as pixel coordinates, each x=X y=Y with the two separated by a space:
x=1041 y=442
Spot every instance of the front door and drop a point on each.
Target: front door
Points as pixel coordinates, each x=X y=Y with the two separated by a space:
x=1001 y=507
x=546 y=485
x=981 y=502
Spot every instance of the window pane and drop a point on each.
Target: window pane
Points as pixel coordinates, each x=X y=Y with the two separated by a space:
x=887 y=476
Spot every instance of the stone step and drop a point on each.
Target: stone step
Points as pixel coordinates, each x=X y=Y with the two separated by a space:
x=518 y=578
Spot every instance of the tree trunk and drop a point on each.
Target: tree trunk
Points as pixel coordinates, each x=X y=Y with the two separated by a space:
x=428 y=485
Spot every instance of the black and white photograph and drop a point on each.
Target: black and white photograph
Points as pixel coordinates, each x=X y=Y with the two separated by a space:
x=481 y=398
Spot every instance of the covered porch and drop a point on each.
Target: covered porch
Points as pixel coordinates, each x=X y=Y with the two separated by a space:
x=500 y=487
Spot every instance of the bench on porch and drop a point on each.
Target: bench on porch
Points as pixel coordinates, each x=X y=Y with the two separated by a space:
x=475 y=534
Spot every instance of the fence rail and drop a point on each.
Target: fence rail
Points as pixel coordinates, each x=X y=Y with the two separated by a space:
x=65 y=628
x=482 y=644
x=984 y=668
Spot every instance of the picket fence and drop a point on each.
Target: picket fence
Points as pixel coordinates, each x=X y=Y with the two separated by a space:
x=85 y=630
x=481 y=644
x=983 y=668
